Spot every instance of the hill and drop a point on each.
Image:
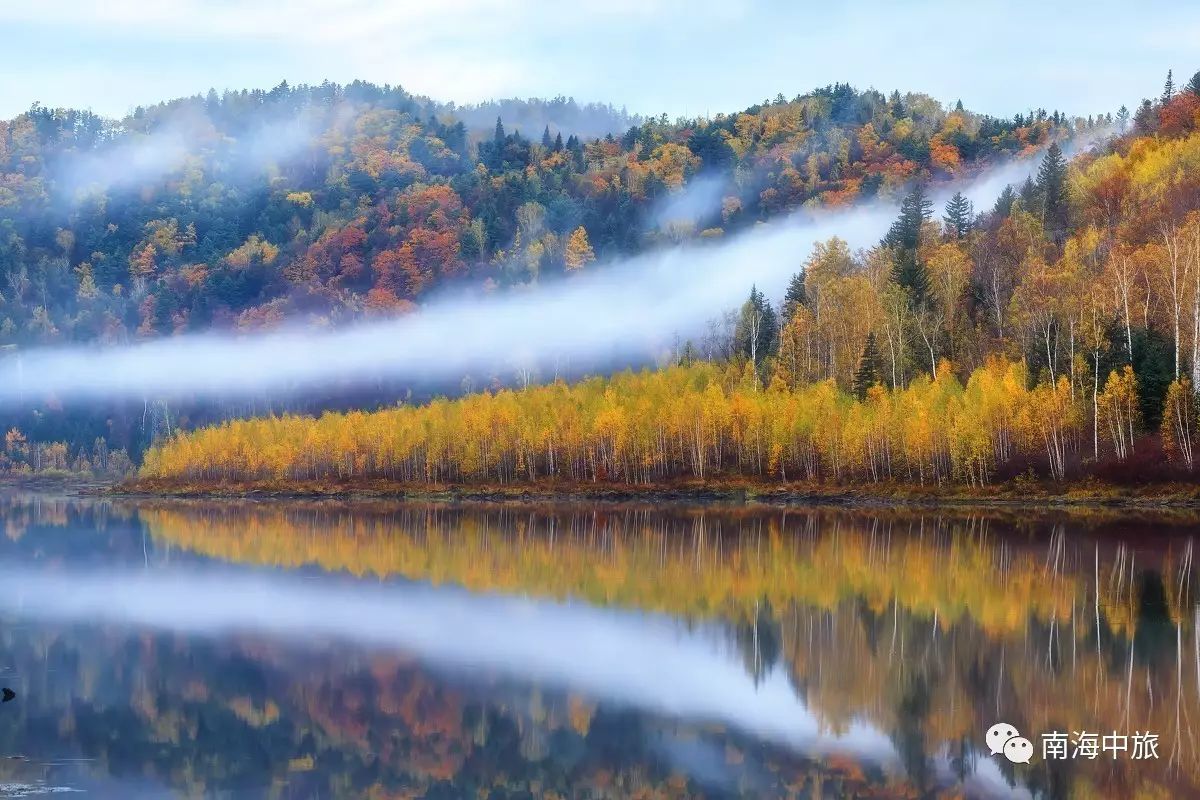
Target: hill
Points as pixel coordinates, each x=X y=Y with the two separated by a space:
x=1058 y=332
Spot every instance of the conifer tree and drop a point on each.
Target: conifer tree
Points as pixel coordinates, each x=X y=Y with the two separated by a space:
x=869 y=372
x=1052 y=189
x=960 y=215
x=1168 y=89
x=1004 y=202
x=547 y=142
x=1122 y=119
x=756 y=333
x=904 y=238
x=794 y=297
x=1193 y=85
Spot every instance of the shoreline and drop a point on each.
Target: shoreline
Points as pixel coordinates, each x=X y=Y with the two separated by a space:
x=1012 y=494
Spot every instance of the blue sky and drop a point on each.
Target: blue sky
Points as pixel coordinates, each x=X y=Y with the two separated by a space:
x=674 y=56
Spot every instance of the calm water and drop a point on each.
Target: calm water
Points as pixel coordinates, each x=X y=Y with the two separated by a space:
x=305 y=649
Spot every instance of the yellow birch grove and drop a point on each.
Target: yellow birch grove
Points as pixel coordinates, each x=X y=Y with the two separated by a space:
x=679 y=423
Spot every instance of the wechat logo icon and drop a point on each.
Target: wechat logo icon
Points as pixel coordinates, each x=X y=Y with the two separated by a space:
x=1004 y=739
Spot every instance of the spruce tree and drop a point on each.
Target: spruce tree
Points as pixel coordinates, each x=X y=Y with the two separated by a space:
x=547 y=142
x=960 y=215
x=1145 y=121
x=1123 y=119
x=904 y=238
x=868 y=373
x=756 y=333
x=1052 y=190
x=1193 y=85
x=794 y=297
x=558 y=144
x=495 y=152
x=1004 y=202
x=1168 y=89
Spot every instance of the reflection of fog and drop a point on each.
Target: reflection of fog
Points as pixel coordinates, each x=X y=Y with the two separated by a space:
x=647 y=661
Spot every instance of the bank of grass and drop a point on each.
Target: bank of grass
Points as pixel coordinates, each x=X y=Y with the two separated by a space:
x=1022 y=491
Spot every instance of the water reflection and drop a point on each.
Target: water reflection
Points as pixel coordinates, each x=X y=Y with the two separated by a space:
x=296 y=649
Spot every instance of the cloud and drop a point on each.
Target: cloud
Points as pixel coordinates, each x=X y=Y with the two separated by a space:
x=651 y=55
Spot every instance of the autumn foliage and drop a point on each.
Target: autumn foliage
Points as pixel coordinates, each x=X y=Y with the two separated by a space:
x=692 y=422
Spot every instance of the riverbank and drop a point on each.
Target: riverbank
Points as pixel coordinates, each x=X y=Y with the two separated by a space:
x=1017 y=493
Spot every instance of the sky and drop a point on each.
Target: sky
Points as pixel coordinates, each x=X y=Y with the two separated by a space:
x=679 y=57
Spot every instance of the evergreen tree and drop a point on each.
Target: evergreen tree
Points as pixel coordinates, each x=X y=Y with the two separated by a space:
x=1004 y=202
x=794 y=297
x=1122 y=119
x=575 y=148
x=869 y=372
x=960 y=215
x=756 y=334
x=493 y=154
x=1145 y=121
x=1193 y=85
x=558 y=143
x=547 y=142
x=1168 y=89
x=904 y=238
x=710 y=147
x=1052 y=190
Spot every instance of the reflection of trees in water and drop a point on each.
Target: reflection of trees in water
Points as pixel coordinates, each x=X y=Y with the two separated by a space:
x=249 y=717
x=758 y=640
x=929 y=626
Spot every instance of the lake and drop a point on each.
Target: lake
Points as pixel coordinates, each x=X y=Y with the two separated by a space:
x=322 y=649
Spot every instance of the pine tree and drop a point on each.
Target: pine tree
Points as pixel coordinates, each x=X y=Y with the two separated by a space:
x=1052 y=190
x=794 y=297
x=904 y=238
x=547 y=142
x=960 y=215
x=869 y=372
x=558 y=143
x=1168 y=89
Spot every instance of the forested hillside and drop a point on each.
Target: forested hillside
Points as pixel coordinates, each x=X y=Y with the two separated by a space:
x=1058 y=332
x=323 y=205
x=329 y=202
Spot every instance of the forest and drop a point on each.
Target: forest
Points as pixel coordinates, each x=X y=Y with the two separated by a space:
x=1071 y=307
x=1055 y=335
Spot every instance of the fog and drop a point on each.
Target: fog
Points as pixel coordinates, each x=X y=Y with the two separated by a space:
x=188 y=138
x=631 y=311
x=693 y=204
x=648 y=661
